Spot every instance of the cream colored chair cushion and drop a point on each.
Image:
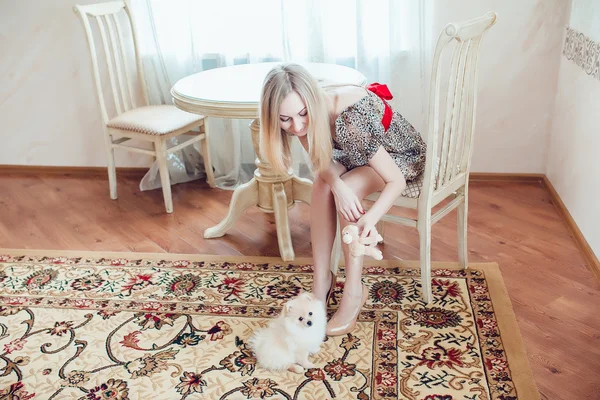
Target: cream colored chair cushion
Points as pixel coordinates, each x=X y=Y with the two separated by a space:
x=414 y=187
x=154 y=120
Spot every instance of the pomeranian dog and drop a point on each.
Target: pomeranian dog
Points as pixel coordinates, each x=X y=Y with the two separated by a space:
x=289 y=339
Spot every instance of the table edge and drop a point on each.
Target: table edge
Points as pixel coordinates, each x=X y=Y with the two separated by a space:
x=209 y=108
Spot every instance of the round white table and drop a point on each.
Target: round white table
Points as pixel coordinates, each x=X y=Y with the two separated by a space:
x=234 y=92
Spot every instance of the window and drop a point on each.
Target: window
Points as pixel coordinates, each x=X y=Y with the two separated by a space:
x=211 y=33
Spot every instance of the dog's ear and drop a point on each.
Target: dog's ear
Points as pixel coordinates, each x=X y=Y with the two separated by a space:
x=287 y=307
x=309 y=295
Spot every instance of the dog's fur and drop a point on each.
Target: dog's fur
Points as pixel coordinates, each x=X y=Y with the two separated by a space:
x=289 y=339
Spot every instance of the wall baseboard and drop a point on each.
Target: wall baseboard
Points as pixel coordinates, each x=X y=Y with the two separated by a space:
x=592 y=259
x=70 y=171
x=141 y=171
x=504 y=177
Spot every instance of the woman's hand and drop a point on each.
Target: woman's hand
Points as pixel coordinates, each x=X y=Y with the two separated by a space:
x=346 y=202
x=366 y=227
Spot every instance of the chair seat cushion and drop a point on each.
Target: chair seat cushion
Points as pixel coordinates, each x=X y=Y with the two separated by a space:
x=414 y=187
x=154 y=120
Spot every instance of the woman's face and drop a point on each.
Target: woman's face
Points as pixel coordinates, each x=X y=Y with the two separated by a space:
x=293 y=116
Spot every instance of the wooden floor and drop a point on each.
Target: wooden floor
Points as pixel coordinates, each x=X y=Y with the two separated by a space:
x=555 y=297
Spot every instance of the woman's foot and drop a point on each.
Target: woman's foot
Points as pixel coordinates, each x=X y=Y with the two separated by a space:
x=344 y=320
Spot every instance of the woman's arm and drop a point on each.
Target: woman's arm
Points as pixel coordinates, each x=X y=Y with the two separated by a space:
x=332 y=174
x=346 y=202
x=395 y=184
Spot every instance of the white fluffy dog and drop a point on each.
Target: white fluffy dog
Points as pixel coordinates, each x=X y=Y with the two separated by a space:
x=287 y=341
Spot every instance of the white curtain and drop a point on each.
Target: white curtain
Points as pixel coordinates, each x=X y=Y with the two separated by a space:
x=386 y=40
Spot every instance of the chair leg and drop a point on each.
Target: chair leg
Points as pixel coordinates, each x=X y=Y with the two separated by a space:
x=205 y=144
x=462 y=234
x=424 y=227
x=112 y=170
x=160 y=147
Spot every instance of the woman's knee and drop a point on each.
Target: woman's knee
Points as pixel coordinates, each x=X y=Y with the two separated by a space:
x=363 y=181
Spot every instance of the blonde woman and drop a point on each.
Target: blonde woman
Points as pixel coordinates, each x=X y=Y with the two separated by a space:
x=357 y=145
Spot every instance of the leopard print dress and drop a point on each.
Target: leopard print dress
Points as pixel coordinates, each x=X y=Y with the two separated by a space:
x=359 y=133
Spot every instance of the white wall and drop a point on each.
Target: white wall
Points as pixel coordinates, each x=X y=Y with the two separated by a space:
x=573 y=166
x=519 y=62
x=48 y=105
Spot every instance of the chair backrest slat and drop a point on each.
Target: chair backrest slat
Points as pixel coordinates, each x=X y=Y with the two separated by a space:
x=119 y=60
x=466 y=153
x=122 y=49
x=101 y=20
x=455 y=118
x=447 y=126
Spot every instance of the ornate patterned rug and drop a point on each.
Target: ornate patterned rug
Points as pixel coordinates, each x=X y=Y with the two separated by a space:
x=93 y=326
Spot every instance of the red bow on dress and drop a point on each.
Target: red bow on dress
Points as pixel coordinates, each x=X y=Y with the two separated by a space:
x=384 y=93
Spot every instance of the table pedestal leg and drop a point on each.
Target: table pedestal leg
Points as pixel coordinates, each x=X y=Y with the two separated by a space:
x=244 y=196
x=272 y=193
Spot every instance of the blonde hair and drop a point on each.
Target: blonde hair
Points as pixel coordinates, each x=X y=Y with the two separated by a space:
x=275 y=144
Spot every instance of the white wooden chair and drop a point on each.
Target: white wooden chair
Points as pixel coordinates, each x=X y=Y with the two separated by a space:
x=150 y=123
x=449 y=145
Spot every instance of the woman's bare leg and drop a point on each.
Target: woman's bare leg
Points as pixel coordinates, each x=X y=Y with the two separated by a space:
x=363 y=181
x=322 y=232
